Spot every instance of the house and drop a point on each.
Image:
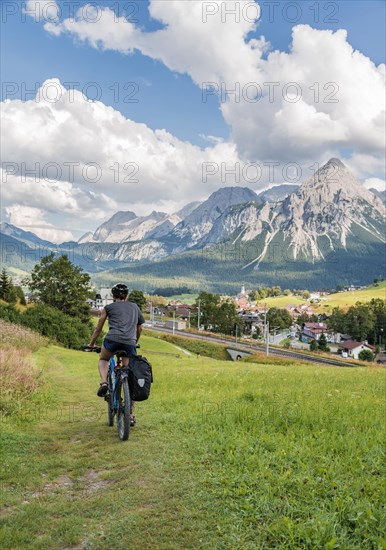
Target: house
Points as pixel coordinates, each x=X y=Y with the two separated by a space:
x=314 y=330
x=324 y=292
x=177 y=324
x=350 y=348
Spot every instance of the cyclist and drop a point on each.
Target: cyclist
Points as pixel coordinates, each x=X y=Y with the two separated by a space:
x=125 y=326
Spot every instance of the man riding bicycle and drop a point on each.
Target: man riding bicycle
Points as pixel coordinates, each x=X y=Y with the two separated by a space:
x=125 y=326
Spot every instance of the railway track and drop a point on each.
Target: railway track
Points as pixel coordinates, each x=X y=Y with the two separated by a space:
x=273 y=351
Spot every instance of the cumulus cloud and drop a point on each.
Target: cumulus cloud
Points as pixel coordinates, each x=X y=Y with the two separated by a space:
x=32 y=219
x=337 y=95
x=85 y=160
x=301 y=106
x=53 y=195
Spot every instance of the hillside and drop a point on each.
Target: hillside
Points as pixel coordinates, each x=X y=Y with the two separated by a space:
x=328 y=231
x=346 y=299
x=272 y=461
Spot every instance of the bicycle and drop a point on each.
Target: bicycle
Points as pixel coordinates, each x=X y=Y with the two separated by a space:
x=118 y=395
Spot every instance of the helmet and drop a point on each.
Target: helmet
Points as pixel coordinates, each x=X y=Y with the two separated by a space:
x=119 y=291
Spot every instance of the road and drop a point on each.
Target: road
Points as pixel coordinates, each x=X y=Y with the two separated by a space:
x=250 y=347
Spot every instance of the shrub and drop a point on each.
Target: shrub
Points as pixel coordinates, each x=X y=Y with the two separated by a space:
x=366 y=355
x=314 y=345
x=9 y=313
x=51 y=322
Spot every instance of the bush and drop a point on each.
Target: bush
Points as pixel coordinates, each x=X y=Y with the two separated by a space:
x=9 y=313
x=314 y=345
x=366 y=355
x=51 y=322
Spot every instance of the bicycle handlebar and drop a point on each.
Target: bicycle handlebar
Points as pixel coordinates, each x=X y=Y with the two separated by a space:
x=97 y=349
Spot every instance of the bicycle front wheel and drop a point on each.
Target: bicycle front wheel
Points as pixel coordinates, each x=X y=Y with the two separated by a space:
x=124 y=406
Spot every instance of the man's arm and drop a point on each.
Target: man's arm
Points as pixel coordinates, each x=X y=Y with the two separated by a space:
x=98 y=329
x=139 y=330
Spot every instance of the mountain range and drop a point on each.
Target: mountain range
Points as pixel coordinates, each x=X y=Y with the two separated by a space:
x=328 y=230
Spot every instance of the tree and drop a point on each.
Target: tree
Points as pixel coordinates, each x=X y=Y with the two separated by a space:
x=322 y=343
x=314 y=345
x=279 y=318
x=360 y=321
x=58 y=283
x=263 y=292
x=337 y=321
x=19 y=294
x=138 y=298
x=228 y=318
x=276 y=291
x=7 y=290
x=287 y=292
x=254 y=296
x=156 y=300
x=306 y=294
x=378 y=308
x=366 y=355
x=209 y=307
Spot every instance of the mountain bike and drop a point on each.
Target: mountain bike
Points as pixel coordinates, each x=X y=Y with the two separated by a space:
x=118 y=395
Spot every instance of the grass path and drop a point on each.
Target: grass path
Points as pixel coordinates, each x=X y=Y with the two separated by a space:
x=73 y=484
x=224 y=456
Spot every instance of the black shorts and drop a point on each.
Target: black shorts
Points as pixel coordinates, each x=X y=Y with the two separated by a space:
x=130 y=350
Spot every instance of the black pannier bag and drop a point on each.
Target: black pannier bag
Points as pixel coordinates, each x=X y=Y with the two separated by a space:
x=140 y=378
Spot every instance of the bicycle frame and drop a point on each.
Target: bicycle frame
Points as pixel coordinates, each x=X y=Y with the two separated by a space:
x=113 y=367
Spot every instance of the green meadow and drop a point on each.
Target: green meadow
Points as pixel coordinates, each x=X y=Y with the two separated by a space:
x=224 y=456
x=344 y=300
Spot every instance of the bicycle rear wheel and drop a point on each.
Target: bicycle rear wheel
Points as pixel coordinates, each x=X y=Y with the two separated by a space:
x=124 y=406
x=110 y=402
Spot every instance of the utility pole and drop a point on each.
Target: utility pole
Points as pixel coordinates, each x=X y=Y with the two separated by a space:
x=265 y=320
x=189 y=319
x=199 y=315
x=151 y=313
x=267 y=340
x=174 y=322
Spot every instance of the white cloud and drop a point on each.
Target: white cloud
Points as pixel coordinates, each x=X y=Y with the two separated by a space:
x=375 y=183
x=54 y=196
x=32 y=219
x=47 y=11
x=56 y=144
x=343 y=109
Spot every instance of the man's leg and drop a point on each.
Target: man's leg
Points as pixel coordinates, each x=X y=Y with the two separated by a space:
x=103 y=367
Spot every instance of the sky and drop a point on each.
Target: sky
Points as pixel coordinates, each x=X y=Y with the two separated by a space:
x=144 y=106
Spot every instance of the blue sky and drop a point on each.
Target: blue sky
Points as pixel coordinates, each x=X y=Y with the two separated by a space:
x=166 y=99
x=168 y=70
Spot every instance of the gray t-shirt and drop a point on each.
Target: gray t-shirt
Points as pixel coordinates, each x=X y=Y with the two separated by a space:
x=123 y=318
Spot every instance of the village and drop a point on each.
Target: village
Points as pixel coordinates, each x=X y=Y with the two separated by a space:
x=307 y=328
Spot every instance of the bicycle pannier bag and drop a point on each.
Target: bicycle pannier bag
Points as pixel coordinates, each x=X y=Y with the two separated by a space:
x=140 y=378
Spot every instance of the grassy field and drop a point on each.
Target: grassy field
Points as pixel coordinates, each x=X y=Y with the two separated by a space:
x=224 y=456
x=189 y=299
x=346 y=299
x=282 y=301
